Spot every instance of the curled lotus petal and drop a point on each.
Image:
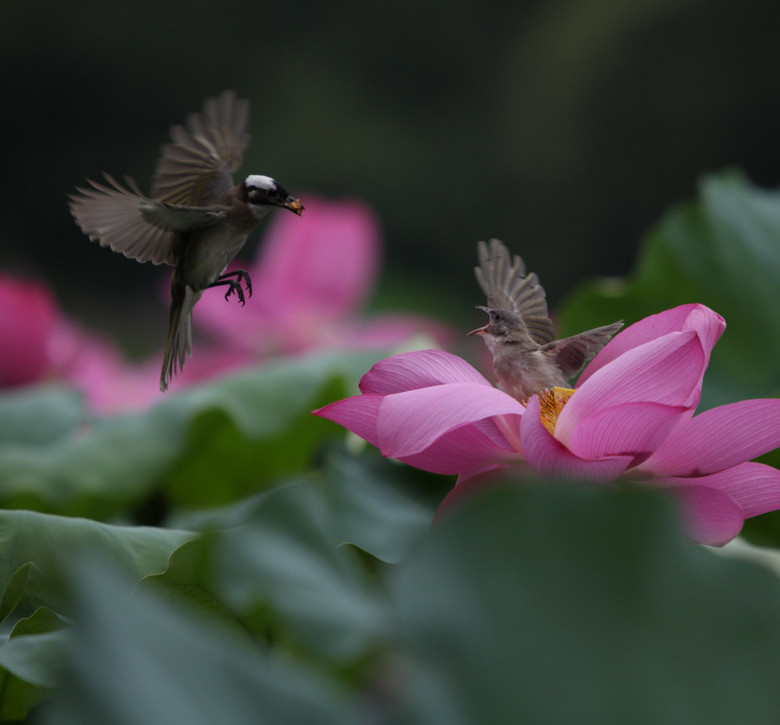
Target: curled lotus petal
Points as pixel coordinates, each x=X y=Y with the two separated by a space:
x=465 y=451
x=706 y=323
x=410 y=422
x=666 y=371
x=420 y=369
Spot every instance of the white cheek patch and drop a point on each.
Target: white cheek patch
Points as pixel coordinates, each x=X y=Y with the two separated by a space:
x=260 y=181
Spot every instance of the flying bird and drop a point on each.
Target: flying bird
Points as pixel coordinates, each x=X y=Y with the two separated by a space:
x=527 y=358
x=195 y=219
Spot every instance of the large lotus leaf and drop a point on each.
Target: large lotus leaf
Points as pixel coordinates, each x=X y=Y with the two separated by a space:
x=531 y=604
x=286 y=570
x=40 y=415
x=383 y=508
x=29 y=662
x=117 y=462
x=376 y=504
x=36 y=551
x=222 y=460
x=138 y=659
x=44 y=543
x=189 y=579
x=287 y=562
x=560 y=605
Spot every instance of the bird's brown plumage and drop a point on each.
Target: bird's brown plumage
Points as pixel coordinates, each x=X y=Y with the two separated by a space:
x=519 y=334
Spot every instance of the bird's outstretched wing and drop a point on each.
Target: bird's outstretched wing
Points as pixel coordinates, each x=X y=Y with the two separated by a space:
x=572 y=353
x=127 y=222
x=196 y=168
x=507 y=287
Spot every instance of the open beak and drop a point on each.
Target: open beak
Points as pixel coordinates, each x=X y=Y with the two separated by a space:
x=485 y=329
x=293 y=204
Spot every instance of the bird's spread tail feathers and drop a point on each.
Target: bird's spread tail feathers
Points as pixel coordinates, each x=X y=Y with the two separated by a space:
x=179 y=343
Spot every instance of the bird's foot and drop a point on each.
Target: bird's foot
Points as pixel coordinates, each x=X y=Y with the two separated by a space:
x=244 y=275
x=235 y=287
x=233 y=282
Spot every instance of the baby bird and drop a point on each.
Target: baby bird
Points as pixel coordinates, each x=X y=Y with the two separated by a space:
x=195 y=218
x=519 y=334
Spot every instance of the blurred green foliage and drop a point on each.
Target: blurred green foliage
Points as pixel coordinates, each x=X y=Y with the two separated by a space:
x=203 y=447
x=537 y=603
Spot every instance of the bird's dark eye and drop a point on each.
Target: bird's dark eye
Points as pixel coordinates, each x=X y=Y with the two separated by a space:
x=272 y=193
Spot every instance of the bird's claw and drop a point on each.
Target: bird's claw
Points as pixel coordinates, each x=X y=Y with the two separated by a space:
x=235 y=287
x=233 y=281
x=247 y=280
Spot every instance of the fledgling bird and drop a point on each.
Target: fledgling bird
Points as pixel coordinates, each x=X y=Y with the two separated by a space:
x=195 y=218
x=519 y=334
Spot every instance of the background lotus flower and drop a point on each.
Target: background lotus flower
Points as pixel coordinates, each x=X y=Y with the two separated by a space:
x=96 y=366
x=311 y=277
x=39 y=343
x=28 y=316
x=111 y=383
x=630 y=415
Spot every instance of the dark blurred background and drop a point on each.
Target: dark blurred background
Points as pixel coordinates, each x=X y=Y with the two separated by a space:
x=565 y=128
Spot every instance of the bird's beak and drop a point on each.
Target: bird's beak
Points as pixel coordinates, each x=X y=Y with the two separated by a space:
x=293 y=204
x=485 y=329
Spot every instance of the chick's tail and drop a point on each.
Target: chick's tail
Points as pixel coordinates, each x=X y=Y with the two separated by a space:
x=179 y=343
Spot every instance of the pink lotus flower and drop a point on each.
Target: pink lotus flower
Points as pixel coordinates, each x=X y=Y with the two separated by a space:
x=112 y=384
x=631 y=415
x=38 y=343
x=96 y=367
x=311 y=277
x=28 y=316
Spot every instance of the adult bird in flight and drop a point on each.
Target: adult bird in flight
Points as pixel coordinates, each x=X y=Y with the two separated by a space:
x=195 y=218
